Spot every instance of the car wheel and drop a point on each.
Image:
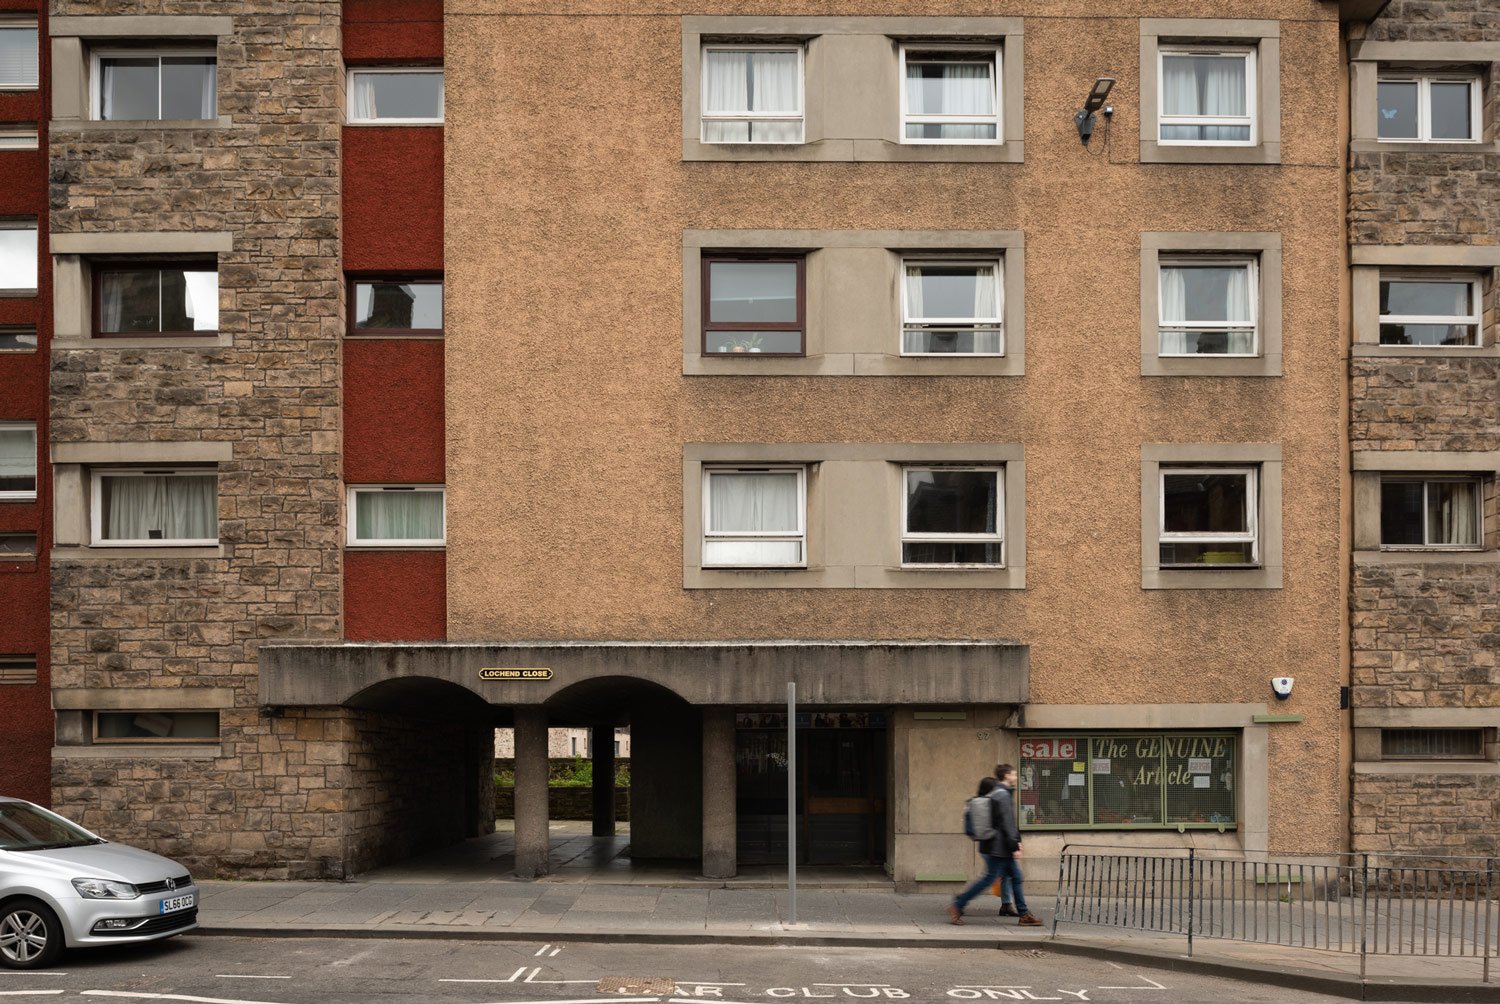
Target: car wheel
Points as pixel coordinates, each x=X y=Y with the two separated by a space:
x=30 y=935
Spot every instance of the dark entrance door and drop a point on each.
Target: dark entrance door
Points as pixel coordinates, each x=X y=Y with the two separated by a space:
x=840 y=788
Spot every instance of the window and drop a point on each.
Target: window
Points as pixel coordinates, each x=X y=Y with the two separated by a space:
x=17 y=670
x=18 y=256
x=1208 y=307
x=17 y=338
x=170 y=85
x=1432 y=744
x=397 y=307
x=18 y=137
x=952 y=516
x=1208 y=517
x=754 y=517
x=1429 y=512
x=17 y=461
x=1170 y=780
x=401 y=96
x=950 y=94
x=753 y=304
x=155 y=507
x=17 y=546
x=1430 y=311
x=1418 y=108
x=156 y=726
x=1207 y=97
x=18 y=56
x=156 y=299
x=952 y=308
x=752 y=94
x=397 y=515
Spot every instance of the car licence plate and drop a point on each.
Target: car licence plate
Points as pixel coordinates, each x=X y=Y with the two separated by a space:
x=177 y=903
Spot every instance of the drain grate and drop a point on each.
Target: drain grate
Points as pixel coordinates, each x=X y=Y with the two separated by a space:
x=636 y=985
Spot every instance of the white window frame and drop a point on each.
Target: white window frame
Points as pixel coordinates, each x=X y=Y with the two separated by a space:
x=998 y=537
x=1166 y=261
x=1474 y=319
x=34 y=226
x=799 y=535
x=354 y=71
x=36 y=476
x=96 y=77
x=907 y=117
x=705 y=117
x=35 y=26
x=1252 y=515
x=1424 y=82
x=17 y=137
x=352 y=539
x=967 y=323
x=96 y=505
x=1475 y=484
x=1163 y=120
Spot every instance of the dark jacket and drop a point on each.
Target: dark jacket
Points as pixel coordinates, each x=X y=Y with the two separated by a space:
x=1007 y=838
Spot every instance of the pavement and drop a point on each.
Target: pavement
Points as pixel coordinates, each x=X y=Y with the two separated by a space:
x=595 y=894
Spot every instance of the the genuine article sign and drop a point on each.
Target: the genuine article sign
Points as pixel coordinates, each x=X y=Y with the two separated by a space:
x=515 y=674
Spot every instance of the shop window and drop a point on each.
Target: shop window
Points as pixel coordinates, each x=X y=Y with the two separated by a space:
x=951 y=307
x=407 y=95
x=156 y=299
x=18 y=463
x=752 y=94
x=950 y=94
x=1432 y=512
x=1432 y=744
x=397 y=307
x=952 y=516
x=157 y=507
x=17 y=670
x=170 y=85
x=754 y=517
x=397 y=516
x=1172 y=780
x=753 y=304
x=156 y=726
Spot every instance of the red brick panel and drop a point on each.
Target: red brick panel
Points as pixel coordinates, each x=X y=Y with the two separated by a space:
x=393 y=411
x=395 y=595
x=393 y=31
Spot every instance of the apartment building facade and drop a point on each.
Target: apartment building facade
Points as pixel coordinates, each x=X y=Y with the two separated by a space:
x=1424 y=235
x=406 y=385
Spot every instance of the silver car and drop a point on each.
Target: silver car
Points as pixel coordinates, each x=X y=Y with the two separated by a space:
x=62 y=886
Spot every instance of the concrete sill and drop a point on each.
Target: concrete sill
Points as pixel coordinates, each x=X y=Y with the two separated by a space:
x=1427 y=557
x=188 y=342
x=132 y=553
x=139 y=125
x=1428 y=767
x=1405 y=353
x=141 y=751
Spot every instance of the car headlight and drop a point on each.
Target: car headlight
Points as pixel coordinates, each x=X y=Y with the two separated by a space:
x=90 y=888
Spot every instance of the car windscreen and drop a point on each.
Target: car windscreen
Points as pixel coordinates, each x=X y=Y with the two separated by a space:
x=27 y=828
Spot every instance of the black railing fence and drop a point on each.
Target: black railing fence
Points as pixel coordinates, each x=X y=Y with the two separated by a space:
x=1369 y=904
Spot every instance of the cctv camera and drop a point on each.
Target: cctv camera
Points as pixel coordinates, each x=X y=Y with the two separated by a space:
x=1283 y=687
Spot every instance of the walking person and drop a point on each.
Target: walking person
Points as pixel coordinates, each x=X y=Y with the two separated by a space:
x=981 y=818
x=1006 y=846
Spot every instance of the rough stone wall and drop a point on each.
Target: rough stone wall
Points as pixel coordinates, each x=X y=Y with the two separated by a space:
x=1435 y=813
x=1437 y=21
x=272 y=180
x=1425 y=403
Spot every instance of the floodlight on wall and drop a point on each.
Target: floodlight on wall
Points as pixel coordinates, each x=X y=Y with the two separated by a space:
x=1084 y=118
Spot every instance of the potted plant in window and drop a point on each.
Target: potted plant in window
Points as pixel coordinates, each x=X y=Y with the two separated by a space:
x=750 y=343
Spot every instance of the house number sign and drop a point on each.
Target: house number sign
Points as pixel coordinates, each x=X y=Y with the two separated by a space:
x=515 y=674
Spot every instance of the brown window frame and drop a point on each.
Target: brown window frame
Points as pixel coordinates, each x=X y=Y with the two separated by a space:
x=100 y=268
x=403 y=278
x=799 y=325
x=100 y=740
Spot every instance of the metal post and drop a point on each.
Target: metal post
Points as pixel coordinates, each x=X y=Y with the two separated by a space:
x=1192 y=876
x=1057 y=904
x=791 y=802
x=1489 y=908
x=1364 y=909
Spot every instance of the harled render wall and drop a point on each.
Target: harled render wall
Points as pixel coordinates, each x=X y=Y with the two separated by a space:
x=266 y=800
x=568 y=409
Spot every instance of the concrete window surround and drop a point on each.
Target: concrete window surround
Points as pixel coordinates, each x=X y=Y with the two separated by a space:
x=1368 y=261
x=849 y=60
x=1369 y=465
x=1368 y=58
x=1254 y=787
x=73 y=36
x=1264 y=36
x=853 y=308
x=72 y=464
x=72 y=283
x=854 y=516
x=1266 y=249
x=1268 y=457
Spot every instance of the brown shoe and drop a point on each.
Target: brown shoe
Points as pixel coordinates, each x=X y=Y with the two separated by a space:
x=1029 y=920
x=955 y=916
x=1007 y=910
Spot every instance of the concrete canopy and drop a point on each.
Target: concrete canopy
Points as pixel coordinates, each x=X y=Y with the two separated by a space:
x=701 y=673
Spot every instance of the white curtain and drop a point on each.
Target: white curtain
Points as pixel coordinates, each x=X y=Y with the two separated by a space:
x=362 y=97
x=1452 y=514
x=1205 y=85
x=202 y=295
x=963 y=89
x=18 y=257
x=914 y=292
x=739 y=81
x=399 y=515
x=1174 y=308
x=984 y=291
x=107 y=86
x=753 y=503
x=207 y=98
x=112 y=300
x=176 y=507
x=17 y=459
x=18 y=57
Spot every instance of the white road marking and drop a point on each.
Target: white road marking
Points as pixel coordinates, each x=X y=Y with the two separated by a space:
x=31 y=993
x=542 y=950
x=685 y=1000
x=1115 y=964
x=554 y=951
x=241 y=976
x=1154 y=985
x=705 y=983
x=596 y=1000
x=851 y=984
x=357 y=957
x=137 y=995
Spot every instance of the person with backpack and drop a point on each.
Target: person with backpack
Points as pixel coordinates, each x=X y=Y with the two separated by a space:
x=980 y=817
x=1006 y=847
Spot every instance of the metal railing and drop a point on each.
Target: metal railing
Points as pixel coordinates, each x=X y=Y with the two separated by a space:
x=1370 y=904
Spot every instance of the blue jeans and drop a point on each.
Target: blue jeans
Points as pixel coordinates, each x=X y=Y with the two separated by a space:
x=1010 y=871
x=992 y=867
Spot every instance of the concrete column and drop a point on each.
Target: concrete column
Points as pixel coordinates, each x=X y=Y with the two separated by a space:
x=719 y=823
x=532 y=844
x=602 y=750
